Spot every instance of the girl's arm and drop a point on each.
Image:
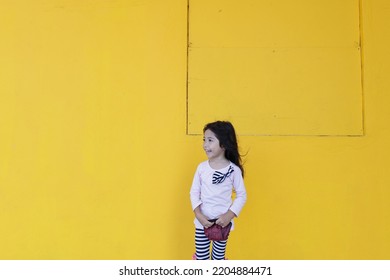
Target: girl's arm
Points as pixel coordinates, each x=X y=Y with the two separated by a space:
x=238 y=202
x=240 y=190
x=196 y=200
x=195 y=191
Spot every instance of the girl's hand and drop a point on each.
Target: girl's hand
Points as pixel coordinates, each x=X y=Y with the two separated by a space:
x=225 y=219
x=206 y=223
x=202 y=218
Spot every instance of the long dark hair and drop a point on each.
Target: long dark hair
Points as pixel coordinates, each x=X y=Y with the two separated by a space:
x=225 y=133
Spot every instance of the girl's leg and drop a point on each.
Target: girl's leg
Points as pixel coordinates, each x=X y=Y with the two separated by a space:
x=202 y=245
x=219 y=249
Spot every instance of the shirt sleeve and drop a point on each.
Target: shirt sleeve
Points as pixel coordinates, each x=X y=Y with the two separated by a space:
x=195 y=190
x=241 y=196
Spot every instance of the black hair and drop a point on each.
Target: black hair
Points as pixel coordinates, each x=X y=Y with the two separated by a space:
x=226 y=135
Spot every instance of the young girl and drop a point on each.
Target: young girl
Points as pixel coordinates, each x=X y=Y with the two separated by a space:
x=212 y=187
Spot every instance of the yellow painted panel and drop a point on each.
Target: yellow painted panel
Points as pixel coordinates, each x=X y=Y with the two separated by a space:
x=303 y=78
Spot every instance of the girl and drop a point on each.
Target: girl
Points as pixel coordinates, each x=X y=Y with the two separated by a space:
x=212 y=187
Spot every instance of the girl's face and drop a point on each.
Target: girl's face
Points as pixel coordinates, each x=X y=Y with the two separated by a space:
x=211 y=146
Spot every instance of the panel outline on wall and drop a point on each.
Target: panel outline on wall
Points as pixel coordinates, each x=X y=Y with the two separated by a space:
x=271 y=123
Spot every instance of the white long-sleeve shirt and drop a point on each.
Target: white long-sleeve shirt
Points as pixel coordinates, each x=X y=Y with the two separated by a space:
x=212 y=190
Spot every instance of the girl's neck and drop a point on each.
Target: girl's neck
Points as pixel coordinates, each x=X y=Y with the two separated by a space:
x=219 y=163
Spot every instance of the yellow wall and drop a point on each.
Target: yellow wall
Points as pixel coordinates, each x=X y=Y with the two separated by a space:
x=95 y=162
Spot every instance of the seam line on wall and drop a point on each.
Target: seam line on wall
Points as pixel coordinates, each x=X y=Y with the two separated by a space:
x=362 y=65
x=187 y=77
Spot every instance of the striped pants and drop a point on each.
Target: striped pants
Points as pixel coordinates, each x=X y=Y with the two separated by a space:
x=202 y=245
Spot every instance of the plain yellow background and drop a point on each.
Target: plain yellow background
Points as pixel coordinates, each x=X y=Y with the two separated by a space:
x=95 y=162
